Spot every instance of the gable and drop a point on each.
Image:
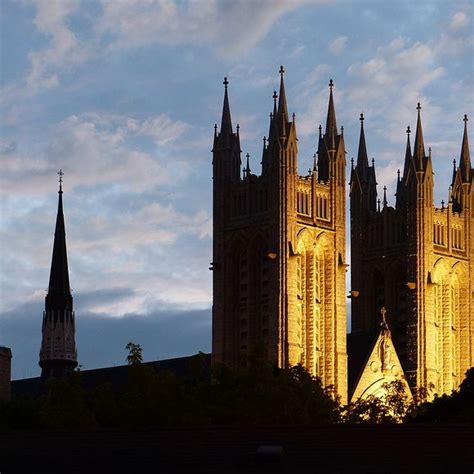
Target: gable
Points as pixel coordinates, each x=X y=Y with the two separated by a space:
x=382 y=366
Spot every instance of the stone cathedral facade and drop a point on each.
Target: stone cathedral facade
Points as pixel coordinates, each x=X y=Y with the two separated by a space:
x=279 y=262
x=417 y=260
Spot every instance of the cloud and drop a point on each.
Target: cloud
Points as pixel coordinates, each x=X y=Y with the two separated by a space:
x=459 y=20
x=94 y=149
x=101 y=339
x=63 y=51
x=338 y=45
x=398 y=75
x=215 y=23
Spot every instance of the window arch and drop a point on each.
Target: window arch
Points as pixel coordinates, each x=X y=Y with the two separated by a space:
x=310 y=269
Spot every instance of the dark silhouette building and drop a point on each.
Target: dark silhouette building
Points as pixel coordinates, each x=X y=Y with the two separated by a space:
x=58 y=354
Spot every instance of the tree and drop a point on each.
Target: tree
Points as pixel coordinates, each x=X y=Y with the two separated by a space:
x=135 y=353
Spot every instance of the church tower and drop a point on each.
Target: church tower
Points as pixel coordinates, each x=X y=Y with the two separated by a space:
x=279 y=248
x=418 y=261
x=58 y=355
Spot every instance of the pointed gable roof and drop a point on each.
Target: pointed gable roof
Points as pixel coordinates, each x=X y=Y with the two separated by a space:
x=382 y=366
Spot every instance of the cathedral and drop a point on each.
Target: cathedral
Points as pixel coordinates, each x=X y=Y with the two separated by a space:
x=417 y=260
x=279 y=261
x=279 y=266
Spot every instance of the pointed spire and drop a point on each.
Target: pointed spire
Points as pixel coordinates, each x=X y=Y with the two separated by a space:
x=59 y=275
x=385 y=202
x=226 y=123
x=465 y=159
x=282 y=107
x=419 y=146
x=362 y=158
x=275 y=108
x=454 y=172
x=320 y=128
x=247 y=168
x=408 y=155
x=331 y=125
x=282 y=114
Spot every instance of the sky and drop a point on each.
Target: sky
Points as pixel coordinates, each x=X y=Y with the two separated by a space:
x=123 y=97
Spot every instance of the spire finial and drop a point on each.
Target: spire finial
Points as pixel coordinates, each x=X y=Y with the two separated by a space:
x=465 y=120
x=398 y=174
x=293 y=116
x=275 y=96
x=378 y=204
x=281 y=71
x=418 y=107
x=342 y=129
x=226 y=82
x=385 y=202
x=320 y=130
x=61 y=174
x=238 y=128
x=373 y=162
x=315 y=162
x=408 y=130
x=442 y=204
x=331 y=84
x=352 y=163
x=361 y=117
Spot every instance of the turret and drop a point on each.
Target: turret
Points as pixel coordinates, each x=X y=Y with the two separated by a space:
x=465 y=159
x=58 y=354
x=330 y=145
x=226 y=149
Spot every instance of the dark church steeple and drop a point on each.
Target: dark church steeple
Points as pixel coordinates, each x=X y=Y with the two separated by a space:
x=58 y=354
x=419 y=156
x=465 y=159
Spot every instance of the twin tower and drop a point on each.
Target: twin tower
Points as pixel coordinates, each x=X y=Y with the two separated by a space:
x=279 y=257
x=279 y=263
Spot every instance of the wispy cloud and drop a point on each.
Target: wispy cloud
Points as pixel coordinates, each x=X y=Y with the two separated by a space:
x=338 y=45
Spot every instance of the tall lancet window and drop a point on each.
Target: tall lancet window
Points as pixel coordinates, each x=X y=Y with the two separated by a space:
x=309 y=304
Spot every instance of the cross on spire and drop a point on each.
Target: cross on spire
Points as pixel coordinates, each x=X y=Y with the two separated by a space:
x=331 y=84
x=418 y=106
x=282 y=71
x=361 y=117
x=465 y=119
x=61 y=174
x=226 y=82
x=408 y=130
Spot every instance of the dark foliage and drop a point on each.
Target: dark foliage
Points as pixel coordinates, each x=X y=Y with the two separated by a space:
x=255 y=394
x=455 y=408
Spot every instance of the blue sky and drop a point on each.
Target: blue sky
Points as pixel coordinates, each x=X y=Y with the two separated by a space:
x=123 y=97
